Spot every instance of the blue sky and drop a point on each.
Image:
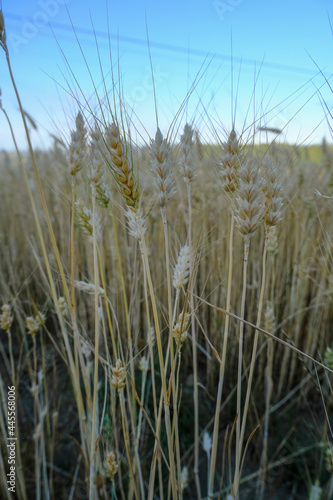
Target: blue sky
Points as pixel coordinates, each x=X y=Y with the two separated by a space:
x=273 y=45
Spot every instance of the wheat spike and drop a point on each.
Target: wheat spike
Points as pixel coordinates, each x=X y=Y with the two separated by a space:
x=32 y=325
x=118 y=379
x=230 y=163
x=188 y=162
x=77 y=148
x=120 y=166
x=6 y=319
x=161 y=168
x=136 y=222
x=182 y=268
x=179 y=331
x=95 y=174
x=111 y=465
x=249 y=206
x=272 y=190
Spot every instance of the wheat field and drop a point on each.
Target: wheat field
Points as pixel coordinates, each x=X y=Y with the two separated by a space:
x=166 y=311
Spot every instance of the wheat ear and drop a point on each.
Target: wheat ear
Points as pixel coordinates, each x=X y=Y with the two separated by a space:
x=120 y=166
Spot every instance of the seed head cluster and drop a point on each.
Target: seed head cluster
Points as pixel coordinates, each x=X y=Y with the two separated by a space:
x=96 y=170
x=270 y=321
x=188 y=164
x=248 y=201
x=32 y=325
x=161 y=168
x=84 y=218
x=95 y=174
x=88 y=287
x=120 y=166
x=182 y=268
x=63 y=309
x=111 y=465
x=77 y=148
x=179 y=331
x=230 y=163
x=118 y=379
x=6 y=319
x=273 y=195
x=136 y=221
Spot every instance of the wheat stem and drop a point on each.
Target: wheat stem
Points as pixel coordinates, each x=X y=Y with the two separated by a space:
x=174 y=397
x=162 y=366
x=235 y=491
x=96 y=348
x=254 y=349
x=12 y=364
x=127 y=442
x=194 y=350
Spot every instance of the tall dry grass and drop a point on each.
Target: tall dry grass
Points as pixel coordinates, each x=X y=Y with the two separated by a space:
x=119 y=266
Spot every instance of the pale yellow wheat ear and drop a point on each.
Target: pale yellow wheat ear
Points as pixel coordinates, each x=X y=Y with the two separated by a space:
x=85 y=219
x=230 y=163
x=6 y=319
x=32 y=325
x=77 y=147
x=120 y=166
x=188 y=162
x=95 y=174
x=182 y=268
x=111 y=465
x=118 y=379
x=249 y=199
x=273 y=200
x=179 y=331
x=161 y=168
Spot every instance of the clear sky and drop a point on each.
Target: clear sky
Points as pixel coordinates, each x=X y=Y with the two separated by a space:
x=274 y=46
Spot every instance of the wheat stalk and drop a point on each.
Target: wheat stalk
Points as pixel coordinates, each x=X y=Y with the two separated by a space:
x=248 y=216
x=230 y=164
x=188 y=167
